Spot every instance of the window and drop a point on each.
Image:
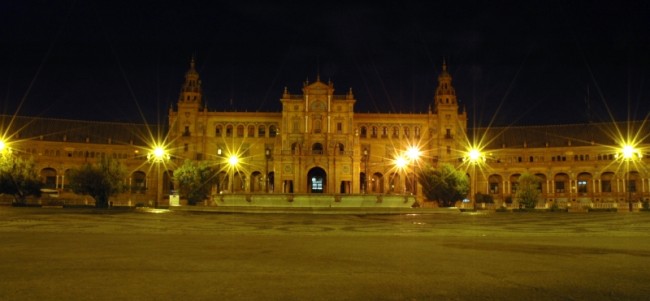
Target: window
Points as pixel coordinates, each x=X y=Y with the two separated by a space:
x=251 y=131
x=395 y=132
x=317 y=148
x=339 y=127
x=363 y=132
x=406 y=132
x=229 y=131
x=417 y=132
x=240 y=131
x=582 y=186
x=374 y=132
x=316 y=183
x=272 y=131
x=559 y=186
x=606 y=186
x=494 y=188
x=631 y=184
x=384 y=132
x=317 y=126
x=261 y=131
x=218 y=131
x=448 y=133
x=186 y=132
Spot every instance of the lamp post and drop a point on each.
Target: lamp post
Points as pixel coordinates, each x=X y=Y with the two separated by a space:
x=474 y=157
x=233 y=160
x=365 y=172
x=628 y=153
x=400 y=162
x=219 y=159
x=158 y=155
x=413 y=153
x=267 y=155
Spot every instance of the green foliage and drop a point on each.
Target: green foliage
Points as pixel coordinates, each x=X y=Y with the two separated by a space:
x=446 y=184
x=194 y=179
x=528 y=190
x=100 y=180
x=18 y=178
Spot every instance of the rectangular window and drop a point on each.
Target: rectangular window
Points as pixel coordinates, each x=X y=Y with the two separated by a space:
x=606 y=186
x=631 y=184
x=339 y=127
x=582 y=186
x=559 y=186
x=494 y=188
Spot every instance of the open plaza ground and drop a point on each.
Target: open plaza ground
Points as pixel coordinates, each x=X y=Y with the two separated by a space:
x=88 y=254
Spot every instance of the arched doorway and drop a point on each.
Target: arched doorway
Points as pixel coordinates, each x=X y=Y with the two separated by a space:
x=48 y=176
x=317 y=180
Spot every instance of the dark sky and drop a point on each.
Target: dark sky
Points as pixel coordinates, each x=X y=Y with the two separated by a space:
x=519 y=62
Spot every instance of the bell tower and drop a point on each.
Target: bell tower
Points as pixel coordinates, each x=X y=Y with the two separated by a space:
x=451 y=124
x=191 y=90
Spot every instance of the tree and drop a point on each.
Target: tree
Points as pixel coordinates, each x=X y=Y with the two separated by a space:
x=100 y=180
x=446 y=184
x=528 y=190
x=194 y=180
x=18 y=178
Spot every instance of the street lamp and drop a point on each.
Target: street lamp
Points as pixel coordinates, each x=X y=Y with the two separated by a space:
x=267 y=155
x=365 y=172
x=401 y=163
x=219 y=159
x=158 y=155
x=233 y=160
x=474 y=157
x=628 y=153
x=413 y=153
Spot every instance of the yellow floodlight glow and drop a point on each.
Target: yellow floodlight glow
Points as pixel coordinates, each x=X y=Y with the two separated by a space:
x=413 y=153
x=3 y=146
x=233 y=160
x=401 y=162
x=158 y=154
x=629 y=152
x=474 y=155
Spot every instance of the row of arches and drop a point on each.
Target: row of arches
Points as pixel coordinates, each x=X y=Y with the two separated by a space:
x=582 y=184
x=386 y=131
x=260 y=131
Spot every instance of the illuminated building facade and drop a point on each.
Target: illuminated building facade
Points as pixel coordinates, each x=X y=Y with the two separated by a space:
x=319 y=144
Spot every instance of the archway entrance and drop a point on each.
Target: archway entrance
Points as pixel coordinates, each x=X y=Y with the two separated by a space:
x=317 y=180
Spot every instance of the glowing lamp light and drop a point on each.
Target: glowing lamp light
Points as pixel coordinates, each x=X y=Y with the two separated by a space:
x=3 y=146
x=413 y=153
x=401 y=162
x=474 y=155
x=233 y=160
x=629 y=152
x=158 y=154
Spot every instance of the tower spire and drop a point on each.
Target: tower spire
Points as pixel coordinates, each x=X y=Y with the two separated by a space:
x=191 y=90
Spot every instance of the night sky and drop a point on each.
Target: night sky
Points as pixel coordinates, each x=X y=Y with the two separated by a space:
x=519 y=62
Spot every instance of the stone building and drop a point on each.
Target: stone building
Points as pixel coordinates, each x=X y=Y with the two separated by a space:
x=319 y=144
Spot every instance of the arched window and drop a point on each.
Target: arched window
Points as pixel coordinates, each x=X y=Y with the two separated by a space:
x=261 y=131
x=251 y=131
x=218 y=131
x=317 y=149
x=229 y=130
x=374 y=132
x=272 y=131
x=363 y=132
x=240 y=131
